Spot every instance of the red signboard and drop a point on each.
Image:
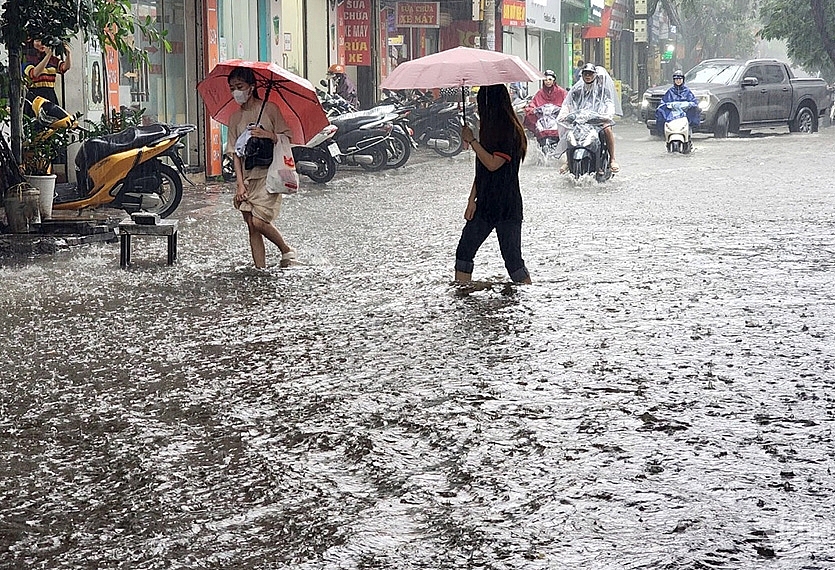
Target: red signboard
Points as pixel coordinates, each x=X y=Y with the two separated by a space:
x=354 y=42
x=418 y=15
x=513 y=13
x=214 y=149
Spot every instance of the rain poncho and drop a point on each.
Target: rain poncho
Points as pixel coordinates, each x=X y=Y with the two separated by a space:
x=553 y=96
x=664 y=114
x=599 y=96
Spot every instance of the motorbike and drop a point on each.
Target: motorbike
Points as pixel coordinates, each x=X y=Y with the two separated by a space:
x=587 y=150
x=677 y=129
x=545 y=128
x=123 y=170
x=316 y=159
x=363 y=140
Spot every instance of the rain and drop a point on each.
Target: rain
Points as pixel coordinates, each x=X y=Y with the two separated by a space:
x=661 y=397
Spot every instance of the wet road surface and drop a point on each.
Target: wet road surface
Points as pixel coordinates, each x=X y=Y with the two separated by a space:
x=661 y=397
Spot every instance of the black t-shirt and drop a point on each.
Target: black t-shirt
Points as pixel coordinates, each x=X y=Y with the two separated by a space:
x=498 y=198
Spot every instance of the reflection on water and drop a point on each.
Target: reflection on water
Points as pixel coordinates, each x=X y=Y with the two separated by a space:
x=660 y=397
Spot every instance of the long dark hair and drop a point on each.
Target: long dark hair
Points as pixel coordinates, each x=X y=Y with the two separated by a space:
x=497 y=118
x=246 y=75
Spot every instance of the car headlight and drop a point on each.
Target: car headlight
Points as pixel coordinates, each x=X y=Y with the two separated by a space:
x=704 y=102
x=645 y=101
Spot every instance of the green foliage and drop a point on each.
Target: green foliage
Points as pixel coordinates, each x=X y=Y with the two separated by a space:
x=112 y=22
x=116 y=122
x=41 y=147
x=792 y=22
x=711 y=28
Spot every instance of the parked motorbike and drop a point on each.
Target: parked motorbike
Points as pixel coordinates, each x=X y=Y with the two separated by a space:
x=677 y=129
x=587 y=150
x=122 y=170
x=363 y=140
x=316 y=159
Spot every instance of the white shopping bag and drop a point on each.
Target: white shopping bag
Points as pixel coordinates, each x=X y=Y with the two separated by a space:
x=282 y=177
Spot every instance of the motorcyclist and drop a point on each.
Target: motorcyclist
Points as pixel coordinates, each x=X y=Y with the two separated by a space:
x=594 y=92
x=678 y=92
x=345 y=88
x=550 y=93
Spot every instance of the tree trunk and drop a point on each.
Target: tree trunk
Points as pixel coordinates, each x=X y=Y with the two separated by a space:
x=15 y=100
x=819 y=17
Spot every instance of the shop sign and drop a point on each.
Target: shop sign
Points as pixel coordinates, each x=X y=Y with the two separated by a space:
x=354 y=43
x=513 y=13
x=543 y=14
x=418 y=15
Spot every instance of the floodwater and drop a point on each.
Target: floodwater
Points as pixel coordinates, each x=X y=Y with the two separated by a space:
x=660 y=398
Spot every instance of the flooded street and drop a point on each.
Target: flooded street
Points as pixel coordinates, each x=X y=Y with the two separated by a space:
x=660 y=398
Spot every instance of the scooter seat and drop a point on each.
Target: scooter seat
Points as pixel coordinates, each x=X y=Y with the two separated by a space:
x=352 y=123
x=96 y=148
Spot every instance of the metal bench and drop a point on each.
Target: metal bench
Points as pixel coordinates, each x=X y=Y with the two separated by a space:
x=129 y=228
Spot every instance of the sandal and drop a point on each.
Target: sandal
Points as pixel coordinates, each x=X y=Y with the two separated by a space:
x=614 y=166
x=287 y=259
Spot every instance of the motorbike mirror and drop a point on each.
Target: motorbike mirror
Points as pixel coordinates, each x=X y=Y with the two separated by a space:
x=323 y=83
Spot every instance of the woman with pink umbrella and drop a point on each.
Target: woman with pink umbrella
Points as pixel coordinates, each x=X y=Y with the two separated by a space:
x=495 y=200
x=263 y=120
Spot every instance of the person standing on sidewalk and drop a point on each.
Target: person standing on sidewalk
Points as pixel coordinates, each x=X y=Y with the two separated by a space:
x=43 y=67
x=259 y=207
x=495 y=200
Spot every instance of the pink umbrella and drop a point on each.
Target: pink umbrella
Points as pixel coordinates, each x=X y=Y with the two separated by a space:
x=295 y=96
x=461 y=67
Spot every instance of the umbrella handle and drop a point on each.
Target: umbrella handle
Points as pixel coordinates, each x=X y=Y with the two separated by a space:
x=264 y=102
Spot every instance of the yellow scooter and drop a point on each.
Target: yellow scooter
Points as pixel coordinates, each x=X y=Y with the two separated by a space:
x=122 y=170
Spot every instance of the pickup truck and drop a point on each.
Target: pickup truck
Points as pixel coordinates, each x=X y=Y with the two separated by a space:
x=736 y=96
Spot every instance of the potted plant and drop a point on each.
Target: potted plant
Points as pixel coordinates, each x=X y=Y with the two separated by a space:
x=41 y=147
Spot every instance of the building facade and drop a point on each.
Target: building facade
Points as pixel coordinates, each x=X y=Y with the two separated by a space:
x=370 y=37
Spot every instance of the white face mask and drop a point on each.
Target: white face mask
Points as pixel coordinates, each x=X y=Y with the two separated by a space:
x=241 y=97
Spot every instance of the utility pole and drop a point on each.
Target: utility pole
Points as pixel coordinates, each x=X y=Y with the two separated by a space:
x=488 y=25
x=641 y=35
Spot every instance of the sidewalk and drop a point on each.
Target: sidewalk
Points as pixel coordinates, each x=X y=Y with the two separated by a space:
x=64 y=230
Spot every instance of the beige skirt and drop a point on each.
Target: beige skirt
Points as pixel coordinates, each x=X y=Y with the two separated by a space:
x=262 y=204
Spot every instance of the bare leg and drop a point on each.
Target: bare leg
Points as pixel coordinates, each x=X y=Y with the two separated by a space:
x=610 y=142
x=256 y=241
x=270 y=232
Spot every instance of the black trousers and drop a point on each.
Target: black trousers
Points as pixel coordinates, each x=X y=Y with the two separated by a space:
x=510 y=244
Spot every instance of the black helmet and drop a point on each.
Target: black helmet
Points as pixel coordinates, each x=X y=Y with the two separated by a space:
x=678 y=74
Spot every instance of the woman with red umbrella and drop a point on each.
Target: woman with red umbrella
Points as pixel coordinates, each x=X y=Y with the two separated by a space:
x=259 y=207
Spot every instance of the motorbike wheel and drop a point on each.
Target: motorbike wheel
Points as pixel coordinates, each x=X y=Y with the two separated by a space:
x=456 y=143
x=227 y=168
x=379 y=156
x=170 y=191
x=325 y=163
x=400 y=150
x=675 y=146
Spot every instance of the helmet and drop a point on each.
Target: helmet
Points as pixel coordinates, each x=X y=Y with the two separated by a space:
x=589 y=67
x=550 y=73
x=678 y=74
x=336 y=68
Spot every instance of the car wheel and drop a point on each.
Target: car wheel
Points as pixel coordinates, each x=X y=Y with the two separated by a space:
x=723 y=122
x=804 y=122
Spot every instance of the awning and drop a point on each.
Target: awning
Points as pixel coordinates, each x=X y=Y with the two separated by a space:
x=601 y=31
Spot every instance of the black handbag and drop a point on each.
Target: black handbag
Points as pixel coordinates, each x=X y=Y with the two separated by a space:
x=258 y=151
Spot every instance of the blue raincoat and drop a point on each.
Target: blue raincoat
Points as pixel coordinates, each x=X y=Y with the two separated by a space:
x=664 y=114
